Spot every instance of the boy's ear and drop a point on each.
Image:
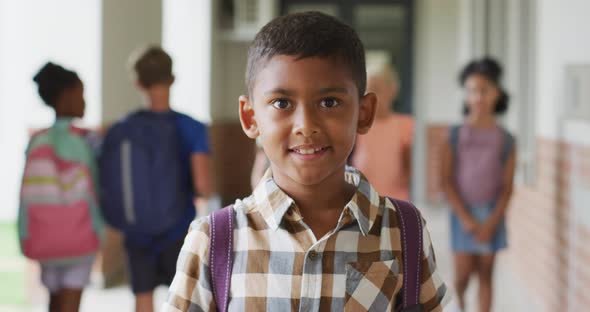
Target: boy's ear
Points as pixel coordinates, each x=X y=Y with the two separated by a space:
x=247 y=118
x=367 y=110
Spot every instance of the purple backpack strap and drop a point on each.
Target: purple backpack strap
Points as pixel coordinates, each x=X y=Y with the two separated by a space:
x=410 y=225
x=221 y=254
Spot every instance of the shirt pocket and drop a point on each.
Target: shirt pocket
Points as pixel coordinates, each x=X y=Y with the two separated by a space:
x=372 y=286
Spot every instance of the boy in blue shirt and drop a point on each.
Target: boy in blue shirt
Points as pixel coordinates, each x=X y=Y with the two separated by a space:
x=152 y=261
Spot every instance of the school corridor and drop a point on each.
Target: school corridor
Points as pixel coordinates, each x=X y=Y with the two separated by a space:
x=543 y=46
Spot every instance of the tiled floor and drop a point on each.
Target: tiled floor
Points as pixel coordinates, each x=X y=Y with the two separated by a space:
x=508 y=296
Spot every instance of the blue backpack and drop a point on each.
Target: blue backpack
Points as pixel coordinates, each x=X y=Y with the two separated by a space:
x=143 y=193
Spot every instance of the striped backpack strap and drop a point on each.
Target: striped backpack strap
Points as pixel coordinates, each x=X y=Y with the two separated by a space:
x=221 y=254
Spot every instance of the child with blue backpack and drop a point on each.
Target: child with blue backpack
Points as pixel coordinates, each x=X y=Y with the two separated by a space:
x=153 y=164
x=478 y=170
x=59 y=223
x=315 y=235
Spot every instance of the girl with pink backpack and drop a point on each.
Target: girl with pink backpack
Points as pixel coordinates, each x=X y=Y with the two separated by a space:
x=59 y=222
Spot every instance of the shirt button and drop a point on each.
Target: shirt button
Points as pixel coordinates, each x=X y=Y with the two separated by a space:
x=312 y=255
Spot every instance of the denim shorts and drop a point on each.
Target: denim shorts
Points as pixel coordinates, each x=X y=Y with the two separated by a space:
x=462 y=241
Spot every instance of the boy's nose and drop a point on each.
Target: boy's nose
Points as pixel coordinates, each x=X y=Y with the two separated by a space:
x=306 y=122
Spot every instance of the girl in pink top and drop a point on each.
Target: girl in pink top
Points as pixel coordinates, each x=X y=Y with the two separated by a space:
x=383 y=155
x=478 y=169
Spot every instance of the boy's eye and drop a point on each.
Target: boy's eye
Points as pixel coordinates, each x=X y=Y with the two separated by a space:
x=329 y=103
x=281 y=104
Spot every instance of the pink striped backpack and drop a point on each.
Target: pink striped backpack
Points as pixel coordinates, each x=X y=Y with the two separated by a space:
x=59 y=215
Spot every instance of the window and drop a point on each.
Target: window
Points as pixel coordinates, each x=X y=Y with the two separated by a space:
x=577 y=93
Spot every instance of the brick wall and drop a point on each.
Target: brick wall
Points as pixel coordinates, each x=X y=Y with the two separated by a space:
x=579 y=272
x=537 y=228
x=580 y=296
x=552 y=266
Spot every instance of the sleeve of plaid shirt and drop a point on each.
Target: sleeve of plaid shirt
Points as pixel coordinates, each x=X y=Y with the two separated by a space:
x=434 y=294
x=191 y=290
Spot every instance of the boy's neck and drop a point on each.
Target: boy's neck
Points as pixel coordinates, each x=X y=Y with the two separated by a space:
x=159 y=107
x=158 y=98
x=320 y=204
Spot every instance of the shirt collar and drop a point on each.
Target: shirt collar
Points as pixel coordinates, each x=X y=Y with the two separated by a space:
x=274 y=204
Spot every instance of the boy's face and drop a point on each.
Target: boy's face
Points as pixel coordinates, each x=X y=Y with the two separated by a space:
x=307 y=113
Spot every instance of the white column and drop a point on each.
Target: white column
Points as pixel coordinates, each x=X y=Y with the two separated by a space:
x=438 y=47
x=187 y=38
x=472 y=29
x=126 y=25
x=497 y=19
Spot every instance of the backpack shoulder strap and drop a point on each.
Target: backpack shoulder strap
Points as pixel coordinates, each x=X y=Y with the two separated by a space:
x=221 y=230
x=410 y=225
x=508 y=145
x=454 y=137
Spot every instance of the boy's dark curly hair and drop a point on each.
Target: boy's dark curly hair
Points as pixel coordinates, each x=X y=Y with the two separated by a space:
x=308 y=34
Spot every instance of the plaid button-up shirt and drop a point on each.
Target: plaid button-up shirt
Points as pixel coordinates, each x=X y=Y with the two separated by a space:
x=279 y=265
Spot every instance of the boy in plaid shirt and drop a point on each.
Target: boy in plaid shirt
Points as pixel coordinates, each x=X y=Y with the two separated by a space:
x=314 y=235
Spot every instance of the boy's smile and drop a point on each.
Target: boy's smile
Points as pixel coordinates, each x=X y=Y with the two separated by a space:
x=309 y=151
x=307 y=113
